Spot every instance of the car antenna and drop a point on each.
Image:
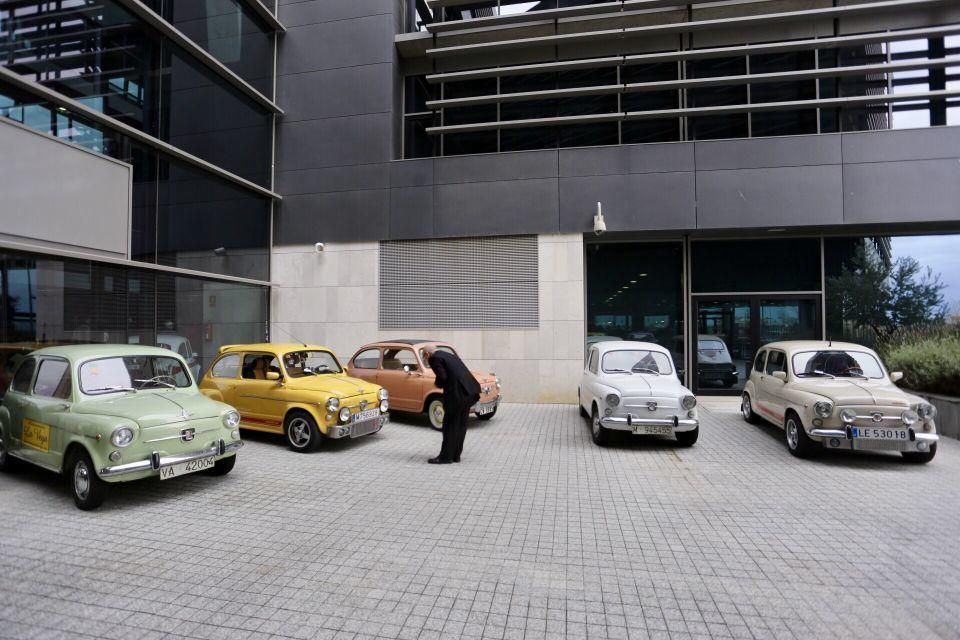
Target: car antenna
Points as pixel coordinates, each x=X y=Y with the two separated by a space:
x=830 y=340
x=295 y=339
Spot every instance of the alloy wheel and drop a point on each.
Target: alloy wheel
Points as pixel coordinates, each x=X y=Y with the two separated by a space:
x=793 y=436
x=745 y=407
x=299 y=433
x=81 y=479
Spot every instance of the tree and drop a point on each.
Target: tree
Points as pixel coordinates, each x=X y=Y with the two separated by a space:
x=886 y=296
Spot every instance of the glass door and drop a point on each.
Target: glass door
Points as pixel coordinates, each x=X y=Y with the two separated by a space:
x=730 y=330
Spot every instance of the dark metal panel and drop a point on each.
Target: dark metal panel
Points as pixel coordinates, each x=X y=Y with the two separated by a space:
x=906 y=144
x=786 y=151
x=331 y=45
x=347 y=178
x=911 y=190
x=295 y=14
x=411 y=212
x=646 y=158
x=496 y=208
x=635 y=202
x=336 y=92
x=502 y=166
x=769 y=197
x=412 y=173
x=334 y=142
x=343 y=216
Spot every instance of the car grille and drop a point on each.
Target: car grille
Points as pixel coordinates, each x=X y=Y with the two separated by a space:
x=881 y=445
x=364 y=428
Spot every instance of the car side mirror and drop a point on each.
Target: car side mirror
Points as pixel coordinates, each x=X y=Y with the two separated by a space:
x=780 y=375
x=896 y=376
x=273 y=375
x=407 y=368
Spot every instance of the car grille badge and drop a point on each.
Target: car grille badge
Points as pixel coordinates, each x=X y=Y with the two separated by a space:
x=187 y=435
x=651 y=406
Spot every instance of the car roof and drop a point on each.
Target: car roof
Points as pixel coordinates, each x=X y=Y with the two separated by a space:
x=88 y=351
x=276 y=348
x=625 y=345
x=804 y=345
x=411 y=342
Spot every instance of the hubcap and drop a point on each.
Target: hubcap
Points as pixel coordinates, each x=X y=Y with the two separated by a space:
x=793 y=437
x=299 y=432
x=745 y=407
x=596 y=424
x=436 y=413
x=81 y=480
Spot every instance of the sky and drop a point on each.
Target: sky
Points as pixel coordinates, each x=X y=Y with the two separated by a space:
x=940 y=253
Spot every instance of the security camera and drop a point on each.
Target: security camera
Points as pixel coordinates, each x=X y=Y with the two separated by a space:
x=599 y=224
x=318 y=247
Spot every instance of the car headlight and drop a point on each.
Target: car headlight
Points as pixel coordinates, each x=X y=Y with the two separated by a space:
x=823 y=408
x=383 y=394
x=333 y=404
x=122 y=436
x=688 y=402
x=926 y=411
x=344 y=414
x=848 y=416
x=384 y=406
x=230 y=419
x=613 y=399
x=909 y=417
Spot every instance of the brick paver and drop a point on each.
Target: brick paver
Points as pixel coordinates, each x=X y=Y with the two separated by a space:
x=536 y=534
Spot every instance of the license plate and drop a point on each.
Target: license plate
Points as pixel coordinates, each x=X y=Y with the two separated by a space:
x=653 y=430
x=184 y=468
x=369 y=414
x=880 y=433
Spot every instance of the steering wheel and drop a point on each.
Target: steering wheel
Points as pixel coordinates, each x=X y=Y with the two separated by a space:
x=855 y=370
x=163 y=379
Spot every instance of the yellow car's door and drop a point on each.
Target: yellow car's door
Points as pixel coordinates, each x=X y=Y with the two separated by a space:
x=224 y=376
x=260 y=396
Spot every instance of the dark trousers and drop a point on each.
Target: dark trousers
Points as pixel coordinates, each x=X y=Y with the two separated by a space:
x=454 y=429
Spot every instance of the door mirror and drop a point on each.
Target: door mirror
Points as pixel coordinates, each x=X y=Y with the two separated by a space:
x=780 y=375
x=896 y=376
x=407 y=368
x=273 y=375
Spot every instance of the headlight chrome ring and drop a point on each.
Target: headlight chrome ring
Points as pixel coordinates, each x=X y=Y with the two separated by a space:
x=384 y=406
x=612 y=399
x=383 y=394
x=230 y=419
x=823 y=409
x=926 y=411
x=688 y=402
x=333 y=404
x=909 y=417
x=848 y=416
x=344 y=414
x=122 y=436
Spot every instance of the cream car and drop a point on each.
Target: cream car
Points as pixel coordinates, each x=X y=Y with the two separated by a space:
x=837 y=395
x=632 y=387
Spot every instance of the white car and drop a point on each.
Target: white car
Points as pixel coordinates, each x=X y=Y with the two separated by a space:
x=837 y=395
x=632 y=387
x=181 y=346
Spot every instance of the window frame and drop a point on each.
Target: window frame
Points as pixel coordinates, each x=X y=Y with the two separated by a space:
x=762 y=353
x=377 y=366
x=770 y=353
x=36 y=379
x=222 y=358
x=259 y=355
x=31 y=361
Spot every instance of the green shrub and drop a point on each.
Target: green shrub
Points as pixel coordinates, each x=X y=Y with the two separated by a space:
x=929 y=358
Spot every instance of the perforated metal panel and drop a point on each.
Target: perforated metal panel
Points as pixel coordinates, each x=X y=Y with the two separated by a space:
x=465 y=283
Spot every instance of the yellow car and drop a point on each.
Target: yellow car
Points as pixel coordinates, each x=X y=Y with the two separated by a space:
x=295 y=389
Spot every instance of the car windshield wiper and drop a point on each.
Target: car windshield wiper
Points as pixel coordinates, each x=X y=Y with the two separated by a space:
x=645 y=370
x=854 y=375
x=817 y=372
x=155 y=381
x=617 y=371
x=116 y=388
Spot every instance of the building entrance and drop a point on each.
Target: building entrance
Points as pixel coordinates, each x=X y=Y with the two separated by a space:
x=728 y=331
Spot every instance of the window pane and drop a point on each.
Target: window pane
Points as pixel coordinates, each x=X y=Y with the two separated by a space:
x=53 y=379
x=756 y=265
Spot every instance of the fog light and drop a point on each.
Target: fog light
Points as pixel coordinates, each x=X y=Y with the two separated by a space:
x=384 y=406
x=691 y=414
x=608 y=412
x=114 y=456
x=927 y=426
x=344 y=414
x=834 y=442
x=817 y=422
x=921 y=446
x=235 y=434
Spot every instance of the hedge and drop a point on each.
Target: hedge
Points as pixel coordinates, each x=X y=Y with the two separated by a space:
x=928 y=357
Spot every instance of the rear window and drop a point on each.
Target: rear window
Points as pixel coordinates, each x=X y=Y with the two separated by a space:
x=711 y=345
x=21 y=381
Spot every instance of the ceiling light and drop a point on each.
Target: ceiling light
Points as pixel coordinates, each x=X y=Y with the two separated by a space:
x=643 y=275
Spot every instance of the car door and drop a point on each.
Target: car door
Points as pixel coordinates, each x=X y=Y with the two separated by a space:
x=773 y=403
x=46 y=413
x=260 y=400
x=401 y=374
x=15 y=401
x=225 y=376
x=365 y=365
x=588 y=385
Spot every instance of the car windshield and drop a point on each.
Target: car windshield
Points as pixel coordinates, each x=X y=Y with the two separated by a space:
x=310 y=363
x=636 y=361
x=836 y=363
x=439 y=347
x=132 y=373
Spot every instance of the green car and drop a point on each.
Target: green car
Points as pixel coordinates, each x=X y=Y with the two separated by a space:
x=101 y=414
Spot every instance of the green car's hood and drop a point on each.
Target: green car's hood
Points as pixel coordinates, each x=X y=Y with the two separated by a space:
x=152 y=408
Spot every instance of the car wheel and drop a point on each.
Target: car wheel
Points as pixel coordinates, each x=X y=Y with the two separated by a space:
x=600 y=435
x=920 y=457
x=223 y=466
x=488 y=416
x=435 y=413
x=86 y=486
x=687 y=438
x=798 y=442
x=746 y=410
x=302 y=432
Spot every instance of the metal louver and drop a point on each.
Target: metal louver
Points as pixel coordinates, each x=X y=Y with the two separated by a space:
x=468 y=283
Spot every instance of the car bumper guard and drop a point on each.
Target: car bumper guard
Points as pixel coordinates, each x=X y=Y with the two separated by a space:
x=156 y=461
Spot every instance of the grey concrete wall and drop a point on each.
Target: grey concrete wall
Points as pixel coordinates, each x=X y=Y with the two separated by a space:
x=948 y=413
x=830 y=181
x=48 y=199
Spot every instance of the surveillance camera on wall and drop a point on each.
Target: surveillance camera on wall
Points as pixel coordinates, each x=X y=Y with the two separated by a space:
x=319 y=247
x=599 y=224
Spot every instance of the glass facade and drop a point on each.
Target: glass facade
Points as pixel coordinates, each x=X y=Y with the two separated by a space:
x=47 y=300
x=104 y=57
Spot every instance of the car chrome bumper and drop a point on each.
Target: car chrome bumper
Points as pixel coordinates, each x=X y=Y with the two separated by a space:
x=630 y=422
x=155 y=462
x=357 y=429
x=843 y=439
x=483 y=408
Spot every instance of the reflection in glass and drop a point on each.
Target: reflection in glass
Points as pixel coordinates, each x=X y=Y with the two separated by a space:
x=724 y=344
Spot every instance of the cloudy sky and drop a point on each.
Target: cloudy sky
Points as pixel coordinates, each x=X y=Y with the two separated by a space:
x=940 y=253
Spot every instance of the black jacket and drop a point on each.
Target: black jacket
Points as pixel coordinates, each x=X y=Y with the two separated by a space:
x=454 y=378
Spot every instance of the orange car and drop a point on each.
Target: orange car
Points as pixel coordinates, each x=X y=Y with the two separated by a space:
x=400 y=367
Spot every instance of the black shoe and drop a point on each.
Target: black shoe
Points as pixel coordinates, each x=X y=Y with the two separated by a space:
x=457 y=459
x=439 y=460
